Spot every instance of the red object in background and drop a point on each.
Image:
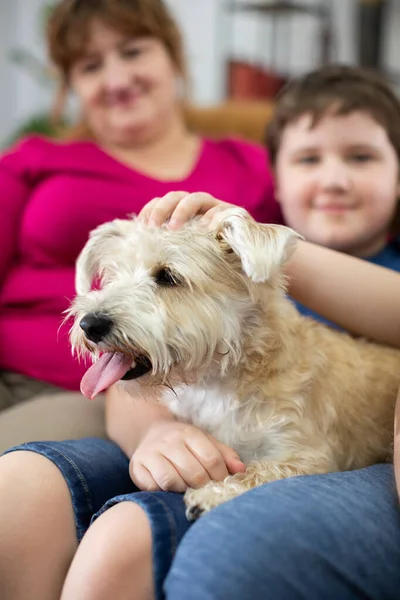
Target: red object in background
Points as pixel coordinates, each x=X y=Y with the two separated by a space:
x=251 y=81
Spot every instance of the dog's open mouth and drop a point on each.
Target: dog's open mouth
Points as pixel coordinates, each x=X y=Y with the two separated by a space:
x=142 y=366
x=110 y=368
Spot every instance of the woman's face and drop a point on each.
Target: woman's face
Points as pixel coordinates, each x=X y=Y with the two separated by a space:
x=126 y=86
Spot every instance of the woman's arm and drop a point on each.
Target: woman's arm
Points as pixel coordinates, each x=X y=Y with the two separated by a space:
x=357 y=295
x=14 y=194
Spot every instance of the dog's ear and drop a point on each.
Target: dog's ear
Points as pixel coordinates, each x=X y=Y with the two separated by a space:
x=96 y=248
x=262 y=249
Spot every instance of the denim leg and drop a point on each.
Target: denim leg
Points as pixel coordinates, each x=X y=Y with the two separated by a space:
x=97 y=474
x=325 y=537
x=94 y=470
x=166 y=513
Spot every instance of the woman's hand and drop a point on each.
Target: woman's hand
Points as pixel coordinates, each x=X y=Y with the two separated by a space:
x=176 y=208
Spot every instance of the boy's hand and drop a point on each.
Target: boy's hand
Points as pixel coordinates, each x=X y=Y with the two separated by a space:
x=173 y=456
x=177 y=208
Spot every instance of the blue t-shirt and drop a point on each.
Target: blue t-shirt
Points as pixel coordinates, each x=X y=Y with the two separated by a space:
x=389 y=257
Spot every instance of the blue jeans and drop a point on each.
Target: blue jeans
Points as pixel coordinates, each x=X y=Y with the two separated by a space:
x=97 y=474
x=326 y=537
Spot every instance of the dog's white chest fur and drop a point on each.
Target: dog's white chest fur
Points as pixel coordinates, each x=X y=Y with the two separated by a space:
x=214 y=407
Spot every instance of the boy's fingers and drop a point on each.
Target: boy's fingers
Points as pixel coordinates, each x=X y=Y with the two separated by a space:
x=208 y=454
x=165 y=474
x=142 y=478
x=159 y=210
x=187 y=464
x=231 y=458
x=190 y=206
x=147 y=210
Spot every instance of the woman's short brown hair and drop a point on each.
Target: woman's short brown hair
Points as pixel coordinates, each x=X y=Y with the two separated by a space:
x=68 y=31
x=70 y=21
x=336 y=90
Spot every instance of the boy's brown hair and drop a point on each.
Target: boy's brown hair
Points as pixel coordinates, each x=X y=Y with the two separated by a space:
x=69 y=25
x=336 y=90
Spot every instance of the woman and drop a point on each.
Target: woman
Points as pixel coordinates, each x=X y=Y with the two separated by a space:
x=124 y=63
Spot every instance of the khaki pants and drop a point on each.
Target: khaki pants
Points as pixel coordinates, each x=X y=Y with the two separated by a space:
x=32 y=410
x=16 y=388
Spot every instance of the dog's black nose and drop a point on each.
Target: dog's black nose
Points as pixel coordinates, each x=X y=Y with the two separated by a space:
x=96 y=326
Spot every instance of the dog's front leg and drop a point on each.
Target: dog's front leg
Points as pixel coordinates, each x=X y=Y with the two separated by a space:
x=214 y=493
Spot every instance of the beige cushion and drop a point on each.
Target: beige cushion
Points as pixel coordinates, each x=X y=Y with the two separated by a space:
x=244 y=118
x=52 y=417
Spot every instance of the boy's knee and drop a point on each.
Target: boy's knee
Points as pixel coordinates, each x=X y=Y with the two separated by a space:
x=30 y=477
x=35 y=502
x=37 y=527
x=126 y=533
x=114 y=557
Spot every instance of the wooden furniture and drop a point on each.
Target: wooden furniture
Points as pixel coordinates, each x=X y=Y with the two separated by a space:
x=247 y=119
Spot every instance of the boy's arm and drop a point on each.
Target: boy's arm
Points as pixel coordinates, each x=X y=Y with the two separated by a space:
x=357 y=295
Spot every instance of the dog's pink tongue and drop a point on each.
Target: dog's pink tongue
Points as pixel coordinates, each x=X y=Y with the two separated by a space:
x=108 y=369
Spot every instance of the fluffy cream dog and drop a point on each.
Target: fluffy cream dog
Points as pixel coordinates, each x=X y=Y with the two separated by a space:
x=200 y=320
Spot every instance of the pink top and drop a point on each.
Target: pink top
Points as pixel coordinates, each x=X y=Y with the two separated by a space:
x=51 y=196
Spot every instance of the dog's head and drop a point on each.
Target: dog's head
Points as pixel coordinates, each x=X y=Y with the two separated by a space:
x=171 y=299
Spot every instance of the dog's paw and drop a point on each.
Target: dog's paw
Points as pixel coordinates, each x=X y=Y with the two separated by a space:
x=201 y=500
x=204 y=499
x=194 y=512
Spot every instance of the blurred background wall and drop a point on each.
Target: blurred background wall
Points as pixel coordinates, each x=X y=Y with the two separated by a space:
x=232 y=52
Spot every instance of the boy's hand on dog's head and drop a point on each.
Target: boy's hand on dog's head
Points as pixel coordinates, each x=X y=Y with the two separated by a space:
x=176 y=208
x=173 y=456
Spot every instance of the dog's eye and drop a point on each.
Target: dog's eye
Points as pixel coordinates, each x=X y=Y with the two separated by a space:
x=166 y=278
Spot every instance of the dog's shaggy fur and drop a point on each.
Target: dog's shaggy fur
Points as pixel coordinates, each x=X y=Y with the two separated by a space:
x=229 y=351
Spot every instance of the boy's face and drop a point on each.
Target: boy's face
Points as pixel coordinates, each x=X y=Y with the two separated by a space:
x=338 y=182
